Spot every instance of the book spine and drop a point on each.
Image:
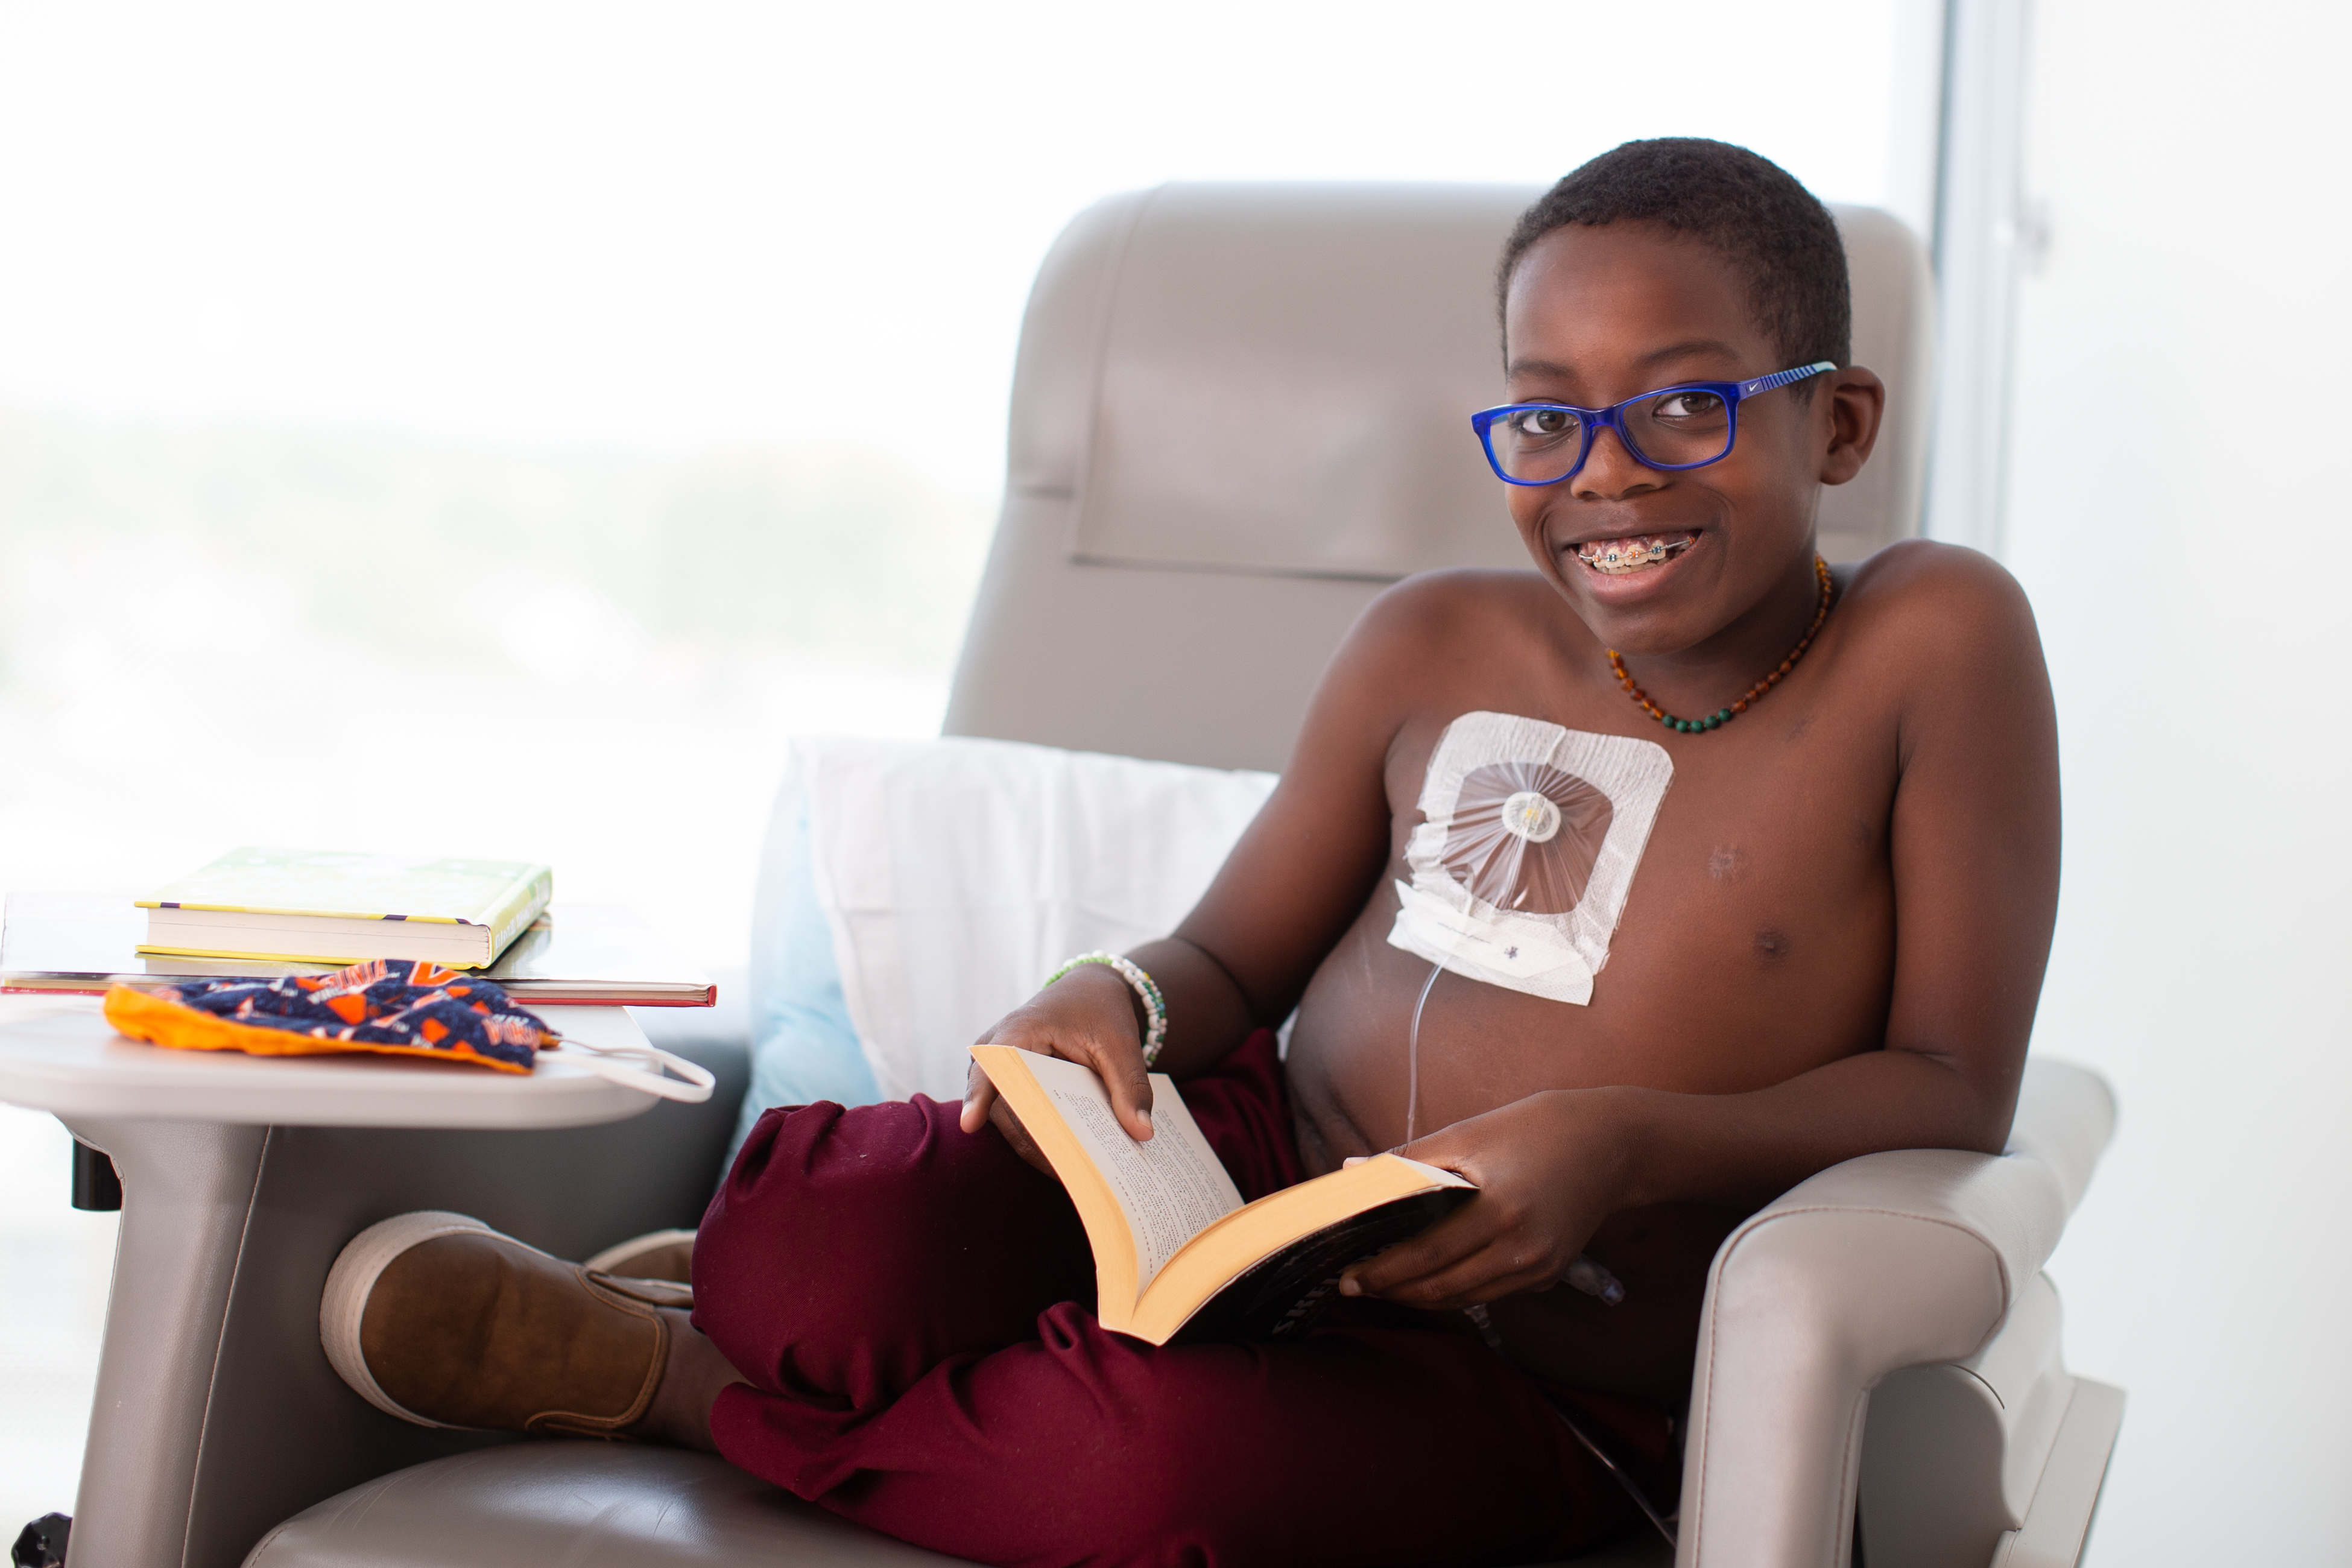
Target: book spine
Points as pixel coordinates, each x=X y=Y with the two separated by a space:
x=512 y=915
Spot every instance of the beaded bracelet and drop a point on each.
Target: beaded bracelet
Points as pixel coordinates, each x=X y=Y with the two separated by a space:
x=1155 y=1010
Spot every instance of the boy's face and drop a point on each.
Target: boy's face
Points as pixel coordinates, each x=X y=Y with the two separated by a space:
x=1597 y=315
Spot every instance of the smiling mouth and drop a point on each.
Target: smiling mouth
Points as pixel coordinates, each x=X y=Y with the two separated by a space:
x=1636 y=552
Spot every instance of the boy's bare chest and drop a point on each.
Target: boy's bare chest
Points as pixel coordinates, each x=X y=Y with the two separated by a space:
x=1753 y=939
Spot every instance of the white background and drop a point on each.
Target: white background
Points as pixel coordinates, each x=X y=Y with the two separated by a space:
x=357 y=361
x=2178 y=513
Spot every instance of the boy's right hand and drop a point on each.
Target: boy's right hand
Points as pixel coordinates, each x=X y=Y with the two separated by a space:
x=1089 y=1016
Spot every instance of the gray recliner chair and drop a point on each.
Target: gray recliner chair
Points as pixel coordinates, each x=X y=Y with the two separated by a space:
x=1238 y=412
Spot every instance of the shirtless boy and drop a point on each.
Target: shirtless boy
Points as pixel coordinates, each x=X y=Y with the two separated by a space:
x=1812 y=928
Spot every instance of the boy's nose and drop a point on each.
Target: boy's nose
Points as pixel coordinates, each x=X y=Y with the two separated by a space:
x=1610 y=472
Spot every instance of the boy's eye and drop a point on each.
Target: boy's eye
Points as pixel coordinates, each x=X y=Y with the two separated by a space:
x=1687 y=406
x=1543 y=424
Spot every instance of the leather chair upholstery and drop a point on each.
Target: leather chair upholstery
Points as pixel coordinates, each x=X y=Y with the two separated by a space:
x=583 y=1504
x=602 y=1504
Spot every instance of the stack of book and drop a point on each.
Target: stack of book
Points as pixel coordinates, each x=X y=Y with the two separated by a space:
x=261 y=913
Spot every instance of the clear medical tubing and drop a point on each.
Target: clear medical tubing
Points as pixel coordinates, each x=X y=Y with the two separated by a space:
x=1524 y=837
x=1412 y=1058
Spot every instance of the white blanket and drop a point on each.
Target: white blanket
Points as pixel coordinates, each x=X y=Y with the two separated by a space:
x=956 y=874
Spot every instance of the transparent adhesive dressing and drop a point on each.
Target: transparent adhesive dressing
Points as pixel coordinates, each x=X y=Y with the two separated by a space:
x=1529 y=836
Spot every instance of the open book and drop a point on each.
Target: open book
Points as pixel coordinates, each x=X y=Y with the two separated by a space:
x=1176 y=1250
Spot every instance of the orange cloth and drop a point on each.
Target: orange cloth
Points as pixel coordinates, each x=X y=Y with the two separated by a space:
x=392 y=1008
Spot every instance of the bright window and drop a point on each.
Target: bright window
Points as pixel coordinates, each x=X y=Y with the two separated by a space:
x=494 y=428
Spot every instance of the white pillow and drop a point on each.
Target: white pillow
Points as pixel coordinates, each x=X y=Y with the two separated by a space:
x=955 y=874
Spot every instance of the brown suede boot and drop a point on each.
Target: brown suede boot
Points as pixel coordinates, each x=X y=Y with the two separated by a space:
x=439 y=1320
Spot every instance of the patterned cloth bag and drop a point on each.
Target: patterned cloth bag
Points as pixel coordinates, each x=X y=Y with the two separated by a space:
x=386 y=1005
x=394 y=1006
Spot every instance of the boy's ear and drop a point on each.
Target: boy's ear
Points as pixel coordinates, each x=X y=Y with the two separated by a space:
x=1857 y=400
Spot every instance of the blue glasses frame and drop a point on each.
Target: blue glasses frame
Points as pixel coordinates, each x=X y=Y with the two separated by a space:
x=1595 y=420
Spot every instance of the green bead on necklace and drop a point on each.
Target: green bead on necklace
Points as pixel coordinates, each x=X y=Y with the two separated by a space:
x=1755 y=693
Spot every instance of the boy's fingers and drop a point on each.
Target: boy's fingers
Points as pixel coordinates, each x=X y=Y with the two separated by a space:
x=1123 y=1074
x=1459 y=1235
x=1445 y=1149
x=978 y=1100
x=1018 y=1137
x=1488 y=1271
x=1485 y=1275
x=1129 y=1083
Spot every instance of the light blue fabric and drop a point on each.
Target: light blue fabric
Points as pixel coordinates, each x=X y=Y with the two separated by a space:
x=804 y=1047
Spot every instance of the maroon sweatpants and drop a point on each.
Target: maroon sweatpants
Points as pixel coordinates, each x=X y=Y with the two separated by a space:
x=912 y=1309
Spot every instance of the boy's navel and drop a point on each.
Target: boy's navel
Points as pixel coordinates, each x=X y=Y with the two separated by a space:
x=1771 y=946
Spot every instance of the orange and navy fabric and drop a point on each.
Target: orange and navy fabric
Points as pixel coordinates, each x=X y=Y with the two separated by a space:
x=386 y=1005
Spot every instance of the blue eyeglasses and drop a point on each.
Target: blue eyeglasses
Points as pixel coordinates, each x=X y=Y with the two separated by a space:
x=1674 y=427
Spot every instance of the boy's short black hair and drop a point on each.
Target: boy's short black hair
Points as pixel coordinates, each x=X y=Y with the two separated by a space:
x=1745 y=207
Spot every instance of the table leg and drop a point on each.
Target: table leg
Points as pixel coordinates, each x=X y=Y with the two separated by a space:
x=188 y=1190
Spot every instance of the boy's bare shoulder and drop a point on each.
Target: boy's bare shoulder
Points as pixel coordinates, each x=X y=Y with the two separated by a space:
x=1424 y=640
x=1434 y=603
x=1434 y=627
x=1946 y=630
x=1414 y=650
x=1922 y=598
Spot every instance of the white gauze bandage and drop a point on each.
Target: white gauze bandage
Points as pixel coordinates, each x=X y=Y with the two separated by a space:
x=1530 y=838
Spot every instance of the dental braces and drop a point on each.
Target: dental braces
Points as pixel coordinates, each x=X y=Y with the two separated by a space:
x=1615 y=559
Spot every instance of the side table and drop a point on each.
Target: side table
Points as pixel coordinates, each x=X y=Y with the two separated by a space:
x=241 y=1177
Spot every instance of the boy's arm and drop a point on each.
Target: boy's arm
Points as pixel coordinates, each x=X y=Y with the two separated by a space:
x=1285 y=894
x=1974 y=842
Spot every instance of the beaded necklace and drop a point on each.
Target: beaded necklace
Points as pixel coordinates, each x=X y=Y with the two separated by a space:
x=1755 y=693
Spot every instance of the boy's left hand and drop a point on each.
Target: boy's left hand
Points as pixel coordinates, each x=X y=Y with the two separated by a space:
x=1546 y=1167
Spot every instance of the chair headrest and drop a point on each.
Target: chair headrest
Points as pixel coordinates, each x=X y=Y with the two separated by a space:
x=1277 y=379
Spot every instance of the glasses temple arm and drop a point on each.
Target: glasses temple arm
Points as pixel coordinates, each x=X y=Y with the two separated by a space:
x=1782 y=378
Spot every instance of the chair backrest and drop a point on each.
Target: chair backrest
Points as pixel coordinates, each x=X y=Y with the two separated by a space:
x=1240 y=410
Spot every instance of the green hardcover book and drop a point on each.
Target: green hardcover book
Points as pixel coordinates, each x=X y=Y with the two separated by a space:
x=332 y=907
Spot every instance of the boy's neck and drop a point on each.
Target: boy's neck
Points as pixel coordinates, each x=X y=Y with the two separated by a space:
x=1709 y=674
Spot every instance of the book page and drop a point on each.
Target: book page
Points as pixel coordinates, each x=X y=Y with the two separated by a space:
x=1170 y=1187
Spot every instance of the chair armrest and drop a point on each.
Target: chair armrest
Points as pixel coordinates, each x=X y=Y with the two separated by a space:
x=2065 y=1115
x=1892 y=1260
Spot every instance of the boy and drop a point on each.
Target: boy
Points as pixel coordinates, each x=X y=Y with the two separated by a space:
x=1636 y=889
